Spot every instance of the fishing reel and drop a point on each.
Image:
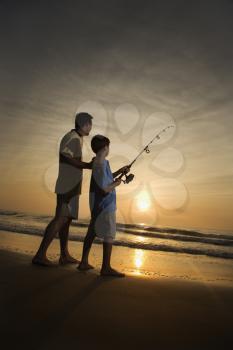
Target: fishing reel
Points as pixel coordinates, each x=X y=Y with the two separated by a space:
x=127 y=179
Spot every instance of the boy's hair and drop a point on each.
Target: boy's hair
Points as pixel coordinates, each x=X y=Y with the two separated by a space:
x=81 y=119
x=98 y=142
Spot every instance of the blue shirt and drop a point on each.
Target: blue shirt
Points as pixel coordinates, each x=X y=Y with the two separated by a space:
x=100 y=200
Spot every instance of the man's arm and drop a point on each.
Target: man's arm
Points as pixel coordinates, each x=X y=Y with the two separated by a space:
x=76 y=162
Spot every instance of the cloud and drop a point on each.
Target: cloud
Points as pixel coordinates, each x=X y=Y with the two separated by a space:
x=160 y=56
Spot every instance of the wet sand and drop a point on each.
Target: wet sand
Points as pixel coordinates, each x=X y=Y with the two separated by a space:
x=171 y=302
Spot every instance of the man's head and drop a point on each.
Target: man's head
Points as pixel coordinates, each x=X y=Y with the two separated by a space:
x=83 y=123
x=100 y=143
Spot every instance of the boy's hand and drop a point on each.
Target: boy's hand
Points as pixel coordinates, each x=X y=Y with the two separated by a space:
x=117 y=182
x=125 y=169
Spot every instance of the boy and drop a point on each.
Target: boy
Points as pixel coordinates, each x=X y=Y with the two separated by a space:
x=68 y=190
x=102 y=200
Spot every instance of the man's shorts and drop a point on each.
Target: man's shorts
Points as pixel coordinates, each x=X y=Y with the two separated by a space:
x=67 y=206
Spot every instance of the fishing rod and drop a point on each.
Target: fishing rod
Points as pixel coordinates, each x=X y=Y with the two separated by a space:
x=130 y=177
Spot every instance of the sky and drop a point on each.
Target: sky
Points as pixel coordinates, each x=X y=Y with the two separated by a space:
x=137 y=67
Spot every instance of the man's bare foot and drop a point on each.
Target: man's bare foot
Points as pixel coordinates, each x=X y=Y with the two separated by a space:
x=84 y=266
x=68 y=259
x=111 y=272
x=42 y=262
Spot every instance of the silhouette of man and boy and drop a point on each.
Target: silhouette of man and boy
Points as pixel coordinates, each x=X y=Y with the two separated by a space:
x=102 y=198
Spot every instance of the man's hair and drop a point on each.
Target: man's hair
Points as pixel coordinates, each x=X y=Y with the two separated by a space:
x=81 y=119
x=98 y=142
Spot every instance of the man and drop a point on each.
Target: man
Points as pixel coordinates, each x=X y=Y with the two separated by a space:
x=68 y=189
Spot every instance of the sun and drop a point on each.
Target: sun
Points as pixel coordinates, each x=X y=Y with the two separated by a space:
x=143 y=201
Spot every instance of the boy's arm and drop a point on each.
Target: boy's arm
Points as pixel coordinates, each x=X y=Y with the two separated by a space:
x=101 y=178
x=125 y=169
x=111 y=187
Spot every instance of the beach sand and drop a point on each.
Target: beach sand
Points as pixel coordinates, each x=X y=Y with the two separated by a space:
x=166 y=301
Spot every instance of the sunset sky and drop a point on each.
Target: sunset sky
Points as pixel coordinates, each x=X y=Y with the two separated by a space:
x=136 y=66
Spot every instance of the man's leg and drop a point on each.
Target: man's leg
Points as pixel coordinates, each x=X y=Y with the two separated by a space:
x=71 y=207
x=50 y=232
x=106 y=269
x=65 y=257
x=90 y=236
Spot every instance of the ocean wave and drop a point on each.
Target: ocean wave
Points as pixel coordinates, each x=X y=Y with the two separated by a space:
x=134 y=229
x=32 y=230
x=8 y=212
x=171 y=233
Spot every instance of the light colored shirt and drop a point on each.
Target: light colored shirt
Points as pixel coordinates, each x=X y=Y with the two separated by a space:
x=70 y=177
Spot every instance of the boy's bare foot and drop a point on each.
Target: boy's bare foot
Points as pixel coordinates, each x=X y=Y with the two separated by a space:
x=42 y=262
x=64 y=260
x=85 y=266
x=111 y=272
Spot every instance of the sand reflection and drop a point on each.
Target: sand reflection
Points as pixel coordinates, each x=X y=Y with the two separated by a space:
x=139 y=257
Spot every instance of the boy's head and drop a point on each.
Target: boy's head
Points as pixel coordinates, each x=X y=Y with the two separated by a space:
x=100 y=143
x=83 y=123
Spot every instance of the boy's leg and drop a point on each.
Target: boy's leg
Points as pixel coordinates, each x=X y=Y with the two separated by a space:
x=107 y=224
x=106 y=269
x=90 y=236
x=50 y=232
x=107 y=252
x=65 y=257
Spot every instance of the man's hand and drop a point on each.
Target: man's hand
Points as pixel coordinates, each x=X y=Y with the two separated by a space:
x=76 y=162
x=90 y=164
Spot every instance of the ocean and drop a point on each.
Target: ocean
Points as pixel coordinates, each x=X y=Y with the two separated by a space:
x=177 y=240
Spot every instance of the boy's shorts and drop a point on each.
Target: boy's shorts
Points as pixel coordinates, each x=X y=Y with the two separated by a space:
x=105 y=225
x=67 y=206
